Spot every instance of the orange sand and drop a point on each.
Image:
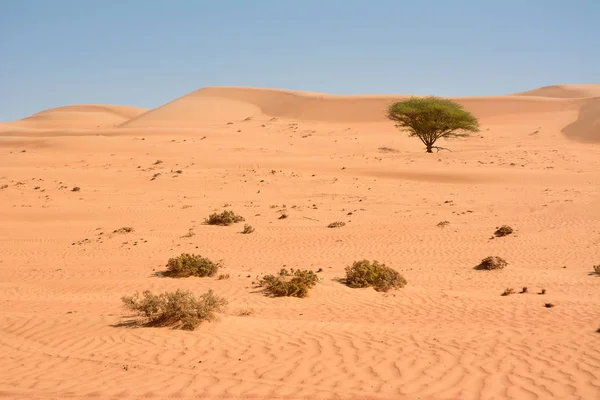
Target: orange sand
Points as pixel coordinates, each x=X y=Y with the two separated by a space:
x=447 y=335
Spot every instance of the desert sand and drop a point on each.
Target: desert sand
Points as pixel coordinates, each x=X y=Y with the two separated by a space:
x=447 y=335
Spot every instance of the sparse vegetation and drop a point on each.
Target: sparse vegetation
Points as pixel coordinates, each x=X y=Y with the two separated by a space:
x=336 y=224
x=524 y=290
x=294 y=283
x=179 y=309
x=491 y=263
x=248 y=229
x=432 y=118
x=548 y=305
x=508 y=292
x=158 y=162
x=283 y=216
x=381 y=277
x=504 y=230
x=223 y=276
x=125 y=229
x=226 y=218
x=597 y=269
x=443 y=224
x=76 y=189
x=543 y=291
x=191 y=265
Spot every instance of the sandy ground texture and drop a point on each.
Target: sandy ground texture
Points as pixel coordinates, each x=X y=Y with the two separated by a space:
x=447 y=335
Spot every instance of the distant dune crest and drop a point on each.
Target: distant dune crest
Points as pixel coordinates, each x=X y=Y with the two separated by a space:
x=219 y=105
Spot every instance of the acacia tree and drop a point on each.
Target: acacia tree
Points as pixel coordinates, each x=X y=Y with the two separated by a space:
x=432 y=118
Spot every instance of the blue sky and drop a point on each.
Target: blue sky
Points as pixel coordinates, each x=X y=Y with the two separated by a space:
x=146 y=53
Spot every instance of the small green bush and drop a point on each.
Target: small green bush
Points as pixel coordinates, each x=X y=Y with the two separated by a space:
x=491 y=263
x=294 y=283
x=226 y=218
x=191 y=265
x=504 y=230
x=178 y=309
x=381 y=277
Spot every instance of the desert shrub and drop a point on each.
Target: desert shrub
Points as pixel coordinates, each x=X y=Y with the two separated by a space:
x=336 y=224
x=492 y=262
x=524 y=290
x=283 y=216
x=223 y=276
x=191 y=265
x=504 y=230
x=508 y=292
x=294 y=283
x=125 y=229
x=548 y=305
x=76 y=189
x=178 y=309
x=381 y=277
x=227 y=217
x=248 y=229
x=597 y=269
x=442 y=224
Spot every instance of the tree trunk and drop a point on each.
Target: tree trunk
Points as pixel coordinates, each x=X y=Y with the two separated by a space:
x=429 y=147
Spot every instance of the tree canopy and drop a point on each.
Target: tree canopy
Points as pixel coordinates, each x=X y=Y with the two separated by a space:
x=432 y=118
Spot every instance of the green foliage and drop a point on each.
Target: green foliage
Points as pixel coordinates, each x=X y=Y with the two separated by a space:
x=294 y=283
x=381 y=277
x=191 y=265
x=432 y=118
x=491 y=263
x=178 y=309
x=226 y=218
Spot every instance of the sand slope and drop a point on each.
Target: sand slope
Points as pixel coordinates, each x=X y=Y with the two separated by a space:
x=83 y=116
x=447 y=335
x=564 y=91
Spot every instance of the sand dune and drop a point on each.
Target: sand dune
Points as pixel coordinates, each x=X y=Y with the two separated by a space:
x=84 y=116
x=447 y=335
x=564 y=91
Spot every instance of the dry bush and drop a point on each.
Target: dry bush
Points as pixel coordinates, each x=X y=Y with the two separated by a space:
x=381 y=277
x=248 y=229
x=443 y=224
x=508 y=292
x=76 y=189
x=336 y=224
x=223 y=276
x=597 y=269
x=125 y=229
x=491 y=263
x=548 y=305
x=179 y=309
x=191 y=265
x=504 y=230
x=294 y=283
x=226 y=218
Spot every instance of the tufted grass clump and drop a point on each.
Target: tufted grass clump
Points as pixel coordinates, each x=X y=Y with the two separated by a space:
x=191 y=265
x=491 y=263
x=504 y=230
x=294 y=283
x=226 y=218
x=179 y=309
x=381 y=277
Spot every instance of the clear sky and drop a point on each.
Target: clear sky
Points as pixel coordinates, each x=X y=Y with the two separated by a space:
x=147 y=52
